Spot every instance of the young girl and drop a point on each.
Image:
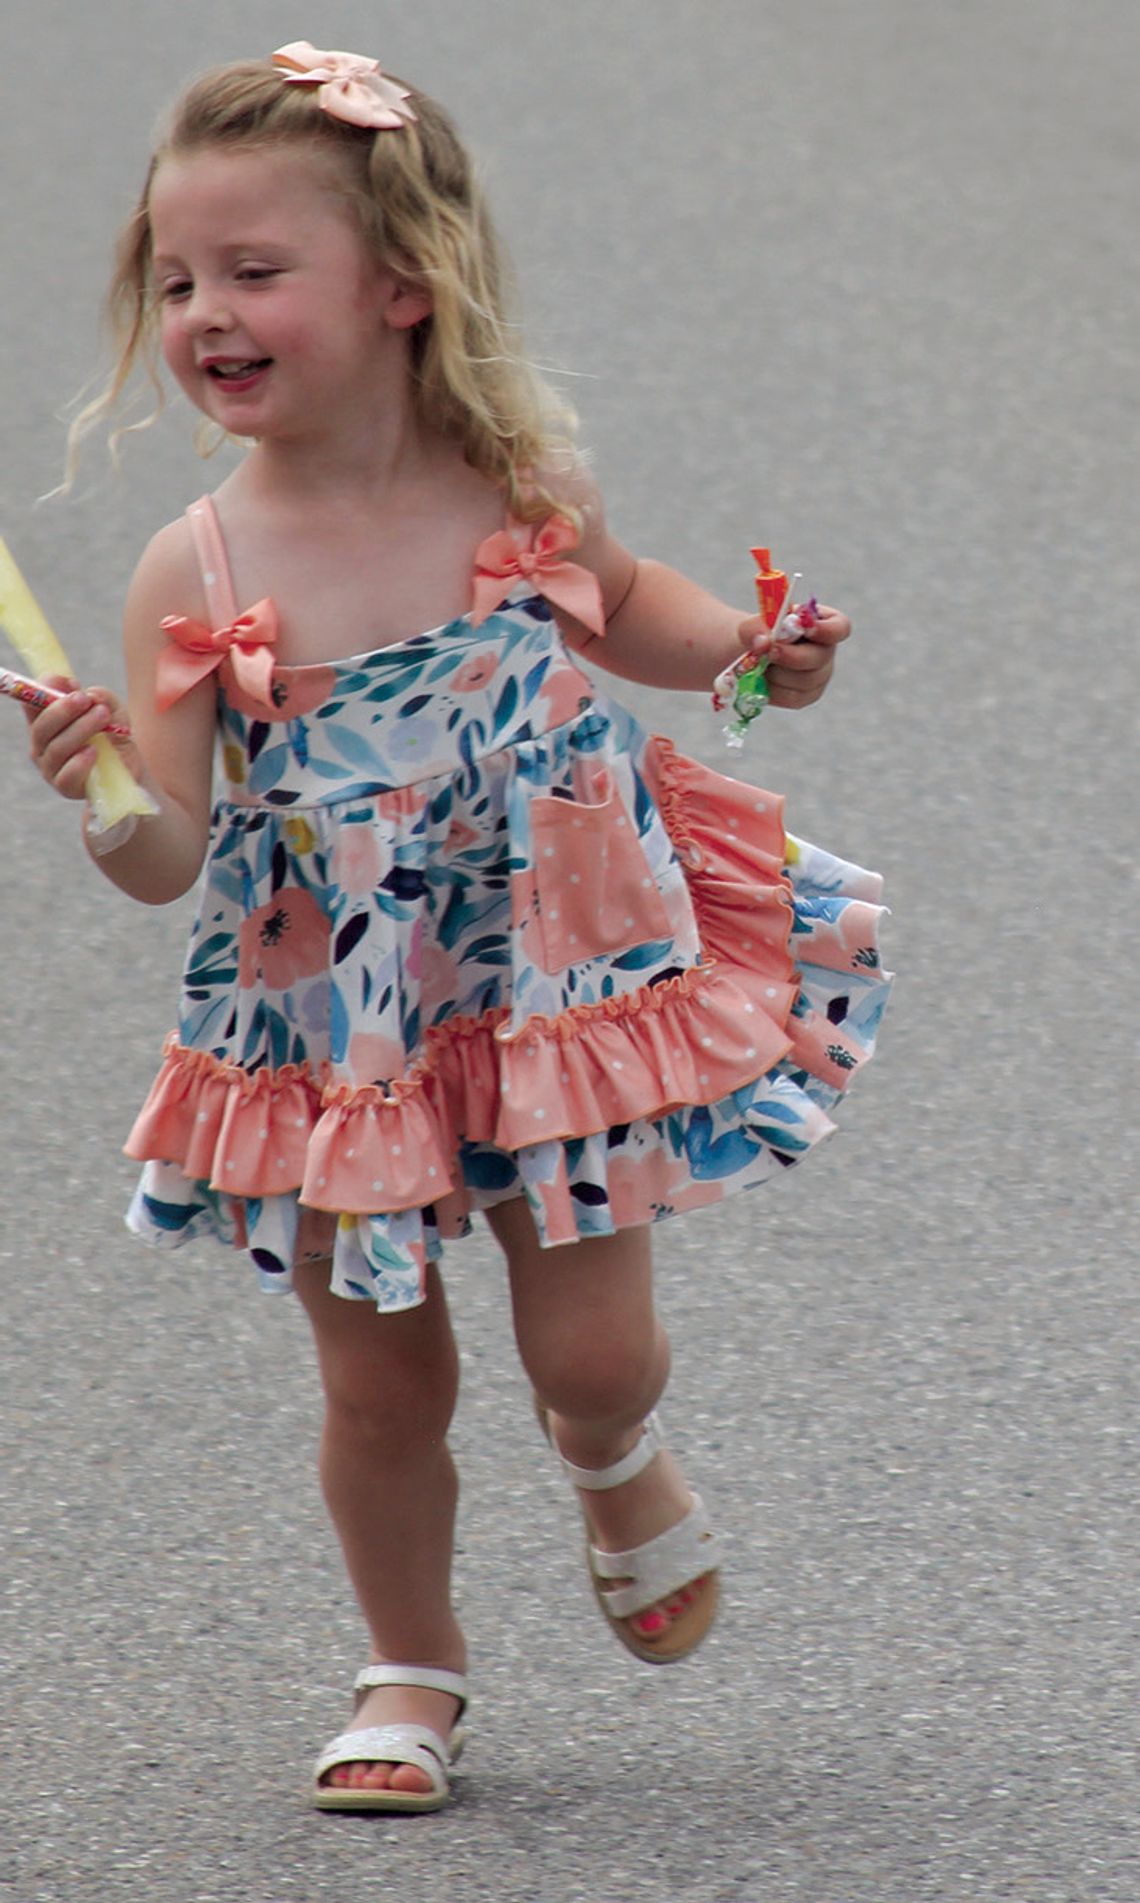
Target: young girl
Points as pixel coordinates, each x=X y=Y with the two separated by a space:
x=468 y=939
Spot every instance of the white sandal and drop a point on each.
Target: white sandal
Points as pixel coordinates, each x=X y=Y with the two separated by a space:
x=657 y=1570
x=395 y=1744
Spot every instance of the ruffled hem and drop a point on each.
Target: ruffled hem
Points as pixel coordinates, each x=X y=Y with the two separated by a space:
x=710 y=1078
x=373 y=1149
x=575 y=1188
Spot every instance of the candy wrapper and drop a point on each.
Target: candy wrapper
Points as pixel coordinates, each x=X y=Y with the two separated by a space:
x=742 y=687
x=114 y=794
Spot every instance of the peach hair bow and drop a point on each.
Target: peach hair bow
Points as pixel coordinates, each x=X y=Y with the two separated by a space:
x=526 y=551
x=195 y=651
x=350 y=87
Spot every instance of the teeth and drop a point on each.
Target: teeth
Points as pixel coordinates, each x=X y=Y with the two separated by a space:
x=234 y=369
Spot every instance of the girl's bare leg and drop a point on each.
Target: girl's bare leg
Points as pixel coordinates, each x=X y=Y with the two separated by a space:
x=390 y=1485
x=598 y=1360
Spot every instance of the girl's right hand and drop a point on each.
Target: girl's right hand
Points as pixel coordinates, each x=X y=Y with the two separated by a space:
x=61 y=735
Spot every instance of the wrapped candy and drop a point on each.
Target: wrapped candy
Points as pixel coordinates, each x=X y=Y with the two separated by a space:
x=35 y=695
x=742 y=687
x=114 y=794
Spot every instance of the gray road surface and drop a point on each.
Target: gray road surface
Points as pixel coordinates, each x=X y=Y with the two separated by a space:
x=858 y=280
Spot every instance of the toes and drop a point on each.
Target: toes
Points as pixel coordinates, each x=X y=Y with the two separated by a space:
x=367 y=1776
x=409 y=1777
x=655 y=1621
x=374 y=1777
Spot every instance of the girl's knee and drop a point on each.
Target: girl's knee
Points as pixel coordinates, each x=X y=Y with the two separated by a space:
x=589 y=1378
x=388 y=1401
x=386 y=1377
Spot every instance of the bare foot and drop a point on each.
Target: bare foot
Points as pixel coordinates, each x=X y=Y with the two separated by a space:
x=395 y=1705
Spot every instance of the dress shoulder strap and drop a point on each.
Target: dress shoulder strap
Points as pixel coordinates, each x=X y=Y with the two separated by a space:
x=213 y=561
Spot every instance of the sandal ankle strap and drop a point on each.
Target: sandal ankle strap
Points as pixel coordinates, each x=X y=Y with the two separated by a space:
x=601 y=1479
x=428 y=1678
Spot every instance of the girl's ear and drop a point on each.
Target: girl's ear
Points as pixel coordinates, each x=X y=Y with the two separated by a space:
x=408 y=304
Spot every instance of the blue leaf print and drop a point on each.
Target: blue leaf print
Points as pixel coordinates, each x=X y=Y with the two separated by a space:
x=254 y=1035
x=278 y=1040
x=780 y=1139
x=639 y=956
x=339 y=1027
x=535 y=679
x=171 y=1216
x=392 y=908
x=484 y=1168
x=349 y=937
x=332 y=770
x=469 y=780
x=773 y=1112
x=267 y=769
x=712 y=1159
x=386 y=690
x=258 y=735
x=210 y=949
x=642 y=806
x=414 y=705
x=359 y=751
x=225 y=884
x=506 y=704
x=299 y=741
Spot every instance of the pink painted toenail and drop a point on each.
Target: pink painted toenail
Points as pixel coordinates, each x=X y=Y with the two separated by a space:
x=649 y=1624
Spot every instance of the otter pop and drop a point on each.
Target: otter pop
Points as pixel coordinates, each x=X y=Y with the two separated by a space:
x=113 y=792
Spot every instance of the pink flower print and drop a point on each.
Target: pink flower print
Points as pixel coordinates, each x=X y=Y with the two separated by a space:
x=295 y=691
x=356 y=860
x=301 y=690
x=374 y=1058
x=439 y=978
x=563 y=694
x=475 y=672
x=284 y=940
x=460 y=835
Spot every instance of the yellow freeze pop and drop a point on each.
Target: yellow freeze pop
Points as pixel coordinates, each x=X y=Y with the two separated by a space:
x=114 y=793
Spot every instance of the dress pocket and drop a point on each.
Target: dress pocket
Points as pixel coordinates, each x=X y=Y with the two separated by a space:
x=595 y=892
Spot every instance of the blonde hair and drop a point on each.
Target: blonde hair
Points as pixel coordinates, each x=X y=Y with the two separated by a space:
x=421 y=212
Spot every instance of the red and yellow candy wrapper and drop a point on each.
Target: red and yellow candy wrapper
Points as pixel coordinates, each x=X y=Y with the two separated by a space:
x=772 y=590
x=742 y=686
x=114 y=794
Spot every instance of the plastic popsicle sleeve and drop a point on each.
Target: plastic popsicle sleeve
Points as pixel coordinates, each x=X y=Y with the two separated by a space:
x=112 y=791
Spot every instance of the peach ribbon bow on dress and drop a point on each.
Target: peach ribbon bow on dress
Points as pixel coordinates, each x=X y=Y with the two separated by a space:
x=195 y=651
x=532 y=552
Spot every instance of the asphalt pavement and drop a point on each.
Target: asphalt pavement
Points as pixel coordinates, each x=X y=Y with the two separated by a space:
x=858 y=281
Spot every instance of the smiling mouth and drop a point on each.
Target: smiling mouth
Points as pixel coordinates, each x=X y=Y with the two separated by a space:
x=237 y=372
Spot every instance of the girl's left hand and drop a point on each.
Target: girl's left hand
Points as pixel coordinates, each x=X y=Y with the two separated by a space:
x=798 y=671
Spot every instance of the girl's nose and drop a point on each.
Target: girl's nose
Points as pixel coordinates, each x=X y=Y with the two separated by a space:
x=207 y=311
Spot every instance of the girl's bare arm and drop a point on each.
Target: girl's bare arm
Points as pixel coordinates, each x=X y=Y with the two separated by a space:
x=664 y=630
x=170 y=753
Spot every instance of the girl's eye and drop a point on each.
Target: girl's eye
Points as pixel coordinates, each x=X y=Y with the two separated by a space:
x=174 y=288
x=255 y=272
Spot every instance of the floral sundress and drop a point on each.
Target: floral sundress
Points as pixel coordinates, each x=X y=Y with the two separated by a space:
x=467 y=933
